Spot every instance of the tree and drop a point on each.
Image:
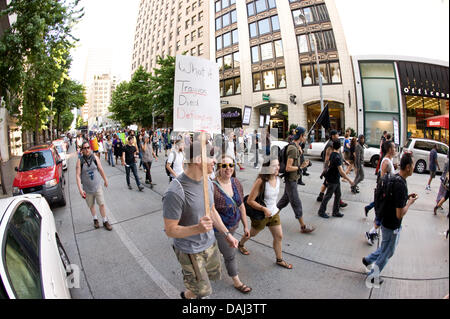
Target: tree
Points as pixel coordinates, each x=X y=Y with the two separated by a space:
x=139 y=99
x=70 y=95
x=162 y=88
x=120 y=105
x=34 y=57
x=80 y=123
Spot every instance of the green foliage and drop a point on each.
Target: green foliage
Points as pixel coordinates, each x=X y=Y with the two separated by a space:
x=80 y=122
x=70 y=95
x=35 y=57
x=162 y=88
x=352 y=131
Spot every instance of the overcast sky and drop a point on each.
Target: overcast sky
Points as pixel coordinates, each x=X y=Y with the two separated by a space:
x=396 y=27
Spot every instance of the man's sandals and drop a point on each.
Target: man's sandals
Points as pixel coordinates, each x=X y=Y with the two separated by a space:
x=282 y=263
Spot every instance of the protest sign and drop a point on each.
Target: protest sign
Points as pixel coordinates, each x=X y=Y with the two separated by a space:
x=196 y=96
x=196 y=104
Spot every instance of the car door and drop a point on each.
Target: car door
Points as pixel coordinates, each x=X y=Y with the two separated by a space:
x=21 y=272
x=442 y=151
x=422 y=152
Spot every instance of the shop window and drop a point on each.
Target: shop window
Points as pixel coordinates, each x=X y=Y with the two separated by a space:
x=237 y=85
x=306 y=75
x=375 y=124
x=377 y=70
x=281 y=78
x=323 y=71
x=335 y=73
x=256 y=82
x=229 y=87
x=221 y=88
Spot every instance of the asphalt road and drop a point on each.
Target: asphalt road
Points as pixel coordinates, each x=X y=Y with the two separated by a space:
x=136 y=260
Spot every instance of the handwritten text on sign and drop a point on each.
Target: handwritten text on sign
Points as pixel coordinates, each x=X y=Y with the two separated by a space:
x=196 y=99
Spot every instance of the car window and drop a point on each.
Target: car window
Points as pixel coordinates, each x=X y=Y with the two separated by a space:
x=423 y=146
x=22 y=252
x=408 y=144
x=36 y=160
x=442 y=149
x=59 y=149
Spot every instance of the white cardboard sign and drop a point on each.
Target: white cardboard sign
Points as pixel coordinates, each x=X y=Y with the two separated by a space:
x=196 y=104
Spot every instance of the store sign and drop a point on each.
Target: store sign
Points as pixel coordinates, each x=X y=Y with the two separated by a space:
x=396 y=131
x=266 y=97
x=434 y=123
x=426 y=93
x=230 y=115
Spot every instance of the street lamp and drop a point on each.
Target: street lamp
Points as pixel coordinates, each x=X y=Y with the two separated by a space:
x=303 y=17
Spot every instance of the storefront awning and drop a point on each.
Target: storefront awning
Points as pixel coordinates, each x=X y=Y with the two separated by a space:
x=438 y=121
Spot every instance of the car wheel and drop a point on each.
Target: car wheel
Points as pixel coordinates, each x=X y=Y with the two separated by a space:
x=62 y=202
x=374 y=161
x=421 y=166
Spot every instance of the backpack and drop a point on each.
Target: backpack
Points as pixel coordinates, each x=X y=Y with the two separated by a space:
x=384 y=193
x=171 y=165
x=282 y=159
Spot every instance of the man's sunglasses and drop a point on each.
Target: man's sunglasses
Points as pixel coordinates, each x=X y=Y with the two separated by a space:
x=225 y=165
x=85 y=148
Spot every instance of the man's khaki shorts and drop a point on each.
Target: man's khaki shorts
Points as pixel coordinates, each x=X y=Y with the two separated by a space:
x=95 y=197
x=208 y=266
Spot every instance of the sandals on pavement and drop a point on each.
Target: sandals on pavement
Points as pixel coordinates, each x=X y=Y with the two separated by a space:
x=243 y=289
x=283 y=263
x=243 y=250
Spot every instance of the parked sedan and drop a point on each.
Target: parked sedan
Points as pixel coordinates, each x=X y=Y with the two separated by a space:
x=61 y=147
x=33 y=263
x=371 y=154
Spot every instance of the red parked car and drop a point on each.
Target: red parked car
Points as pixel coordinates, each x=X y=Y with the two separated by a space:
x=40 y=172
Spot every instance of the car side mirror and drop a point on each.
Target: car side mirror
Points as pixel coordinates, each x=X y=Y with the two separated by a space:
x=58 y=162
x=16 y=169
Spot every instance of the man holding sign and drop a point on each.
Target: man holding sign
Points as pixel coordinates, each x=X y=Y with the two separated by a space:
x=188 y=204
x=184 y=219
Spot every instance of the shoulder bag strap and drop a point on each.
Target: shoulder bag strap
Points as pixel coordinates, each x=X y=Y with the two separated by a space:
x=225 y=193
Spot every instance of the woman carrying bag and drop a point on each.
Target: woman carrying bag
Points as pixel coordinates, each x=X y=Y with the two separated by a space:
x=228 y=200
x=261 y=206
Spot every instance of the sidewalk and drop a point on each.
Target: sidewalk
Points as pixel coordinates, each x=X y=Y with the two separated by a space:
x=9 y=174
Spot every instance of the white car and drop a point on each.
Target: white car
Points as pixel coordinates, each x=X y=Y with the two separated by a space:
x=61 y=148
x=33 y=263
x=421 y=148
x=371 y=154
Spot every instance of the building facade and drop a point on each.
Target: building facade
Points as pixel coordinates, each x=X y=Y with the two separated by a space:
x=266 y=53
x=400 y=94
x=99 y=100
x=168 y=28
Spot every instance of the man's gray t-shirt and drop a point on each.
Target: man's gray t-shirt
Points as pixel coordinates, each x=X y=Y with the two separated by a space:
x=186 y=203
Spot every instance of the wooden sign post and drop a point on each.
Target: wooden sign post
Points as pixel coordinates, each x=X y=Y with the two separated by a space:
x=196 y=104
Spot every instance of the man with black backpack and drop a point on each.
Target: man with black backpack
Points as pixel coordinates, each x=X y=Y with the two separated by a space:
x=393 y=208
x=290 y=167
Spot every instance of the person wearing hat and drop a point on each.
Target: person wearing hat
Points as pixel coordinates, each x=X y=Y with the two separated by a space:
x=293 y=168
x=334 y=136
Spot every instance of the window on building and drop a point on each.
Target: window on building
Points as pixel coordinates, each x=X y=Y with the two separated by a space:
x=227 y=62
x=257 y=86
x=219 y=43
x=236 y=60
x=281 y=78
x=226 y=39
x=263 y=26
x=278 y=49
x=266 y=51
x=255 y=54
x=235 y=36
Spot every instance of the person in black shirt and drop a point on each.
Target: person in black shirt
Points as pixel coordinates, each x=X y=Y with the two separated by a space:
x=333 y=175
x=391 y=223
x=129 y=161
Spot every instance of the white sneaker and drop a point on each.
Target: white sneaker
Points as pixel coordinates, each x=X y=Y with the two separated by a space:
x=428 y=188
x=369 y=238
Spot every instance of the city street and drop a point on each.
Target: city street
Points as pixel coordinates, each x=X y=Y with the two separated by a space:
x=136 y=260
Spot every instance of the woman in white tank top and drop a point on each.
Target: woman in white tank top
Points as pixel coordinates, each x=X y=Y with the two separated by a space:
x=271 y=182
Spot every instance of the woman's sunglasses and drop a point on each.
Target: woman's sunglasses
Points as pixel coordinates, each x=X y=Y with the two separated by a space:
x=225 y=165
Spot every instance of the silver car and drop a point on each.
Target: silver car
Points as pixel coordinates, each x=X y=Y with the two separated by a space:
x=421 y=148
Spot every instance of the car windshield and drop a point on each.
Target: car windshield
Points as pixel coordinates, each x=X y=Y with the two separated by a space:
x=36 y=160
